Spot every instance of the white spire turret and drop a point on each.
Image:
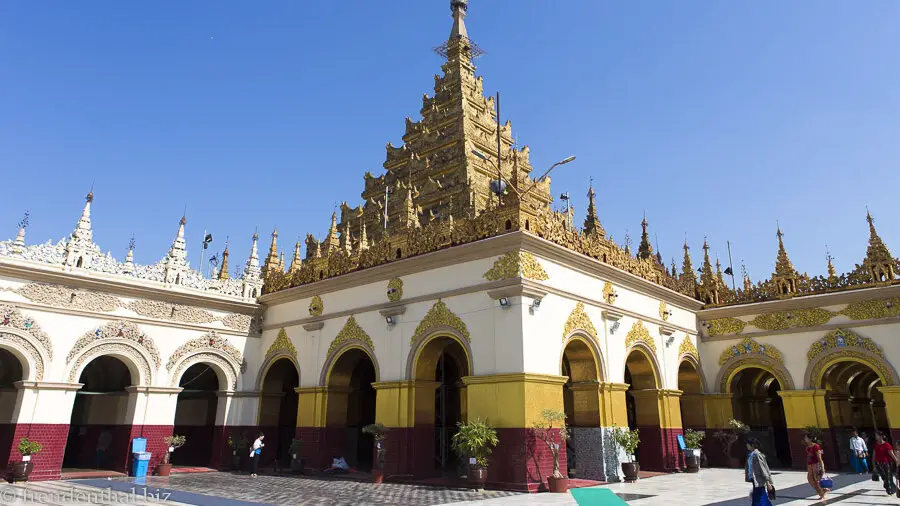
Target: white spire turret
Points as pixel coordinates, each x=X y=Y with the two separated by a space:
x=129 y=259
x=80 y=248
x=252 y=277
x=176 y=261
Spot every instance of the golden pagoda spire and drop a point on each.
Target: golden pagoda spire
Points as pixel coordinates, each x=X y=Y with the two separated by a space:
x=832 y=273
x=281 y=262
x=297 y=261
x=785 y=276
x=332 y=241
x=645 y=250
x=709 y=283
x=748 y=285
x=410 y=214
x=591 y=221
x=674 y=269
x=363 y=239
x=879 y=263
x=346 y=245
x=223 y=271
x=688 y=275
x=271 y=262
x=719 y=277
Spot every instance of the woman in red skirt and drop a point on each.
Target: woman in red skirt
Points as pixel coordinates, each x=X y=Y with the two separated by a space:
x=815 y=466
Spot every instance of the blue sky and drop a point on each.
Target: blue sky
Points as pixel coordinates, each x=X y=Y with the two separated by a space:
x=717 y=119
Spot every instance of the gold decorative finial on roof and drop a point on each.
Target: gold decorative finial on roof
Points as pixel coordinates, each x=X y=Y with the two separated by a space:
x=223 y=271
x=785 y=276
x=709 y=286
x=591 y=221
x=879 y=263
x=748 y=285
x=332 y=241
x=645 y=250
x=271 y=262
x=688 y=275
x=459 y=7
x=297 y=261
x=832 y=273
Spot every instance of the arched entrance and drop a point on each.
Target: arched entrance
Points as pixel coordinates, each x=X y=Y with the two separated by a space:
x=853 y=401
x=195 y=415
x=351 y=406
x=11 y=371
x=440 y=398
x=691 y=386
x=584 y=455
x=755 y=401
x=278 y=410
x=100 y=425
x=641 y=403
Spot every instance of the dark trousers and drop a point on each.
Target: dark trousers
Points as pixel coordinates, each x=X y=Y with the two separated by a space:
x=886 y=471
x=254 y=463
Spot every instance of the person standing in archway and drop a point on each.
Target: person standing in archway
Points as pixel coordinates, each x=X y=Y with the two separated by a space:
x=884 y=461
x=859 y=453
x=255 y=451
x=815 y=466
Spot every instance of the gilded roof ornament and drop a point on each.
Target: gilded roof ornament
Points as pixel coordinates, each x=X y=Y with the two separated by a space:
x=351 y=332
x=687 y=347
x=709 y=285
x=645 y=250
x=282 y=345
x=688 y=276
x=639 y=334
x=517 y=264
x=440 y=316
x=785 y=276
x=591 y=221
x=579 y=320
x=879 y=264
x=223 y=271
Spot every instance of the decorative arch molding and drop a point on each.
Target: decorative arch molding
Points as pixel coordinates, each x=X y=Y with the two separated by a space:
x=738 y=363
x=640 y=334
x=747 y=347
x=591 y=343
x=440 y=316
x=208 y=346
x=281 y=347
x=339 y=352
x=844 y=345
x=421 y=341
x=122 y=339
x=23 y=335
x=579 y=320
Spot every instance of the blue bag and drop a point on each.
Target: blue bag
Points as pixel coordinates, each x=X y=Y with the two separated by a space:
x=826 y=482
x=258 y=451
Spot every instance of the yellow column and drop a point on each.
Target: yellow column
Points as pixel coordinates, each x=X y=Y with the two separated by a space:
x=670 y=409
x=513 y=400
x=586 y=404
x=892 y=404
x=804 y=408
x=613 y=407
x=311 y=406
x=402 y=403
x=717 y=409
x=692 y=410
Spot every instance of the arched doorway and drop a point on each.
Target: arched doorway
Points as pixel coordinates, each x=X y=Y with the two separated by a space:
x=278 y=410
x=351 y=406
x=195 y=415
x=441 y=365
x=11 y=371
x=853 y=401
x=691 y=386
x=755 y=401
x=642 y=406
x=581 y=404
x=100 y=426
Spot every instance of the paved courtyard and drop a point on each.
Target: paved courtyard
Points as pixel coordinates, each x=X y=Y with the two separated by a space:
x=712 y=487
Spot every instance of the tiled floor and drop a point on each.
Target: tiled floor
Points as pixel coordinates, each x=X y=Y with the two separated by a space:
x=712 y=487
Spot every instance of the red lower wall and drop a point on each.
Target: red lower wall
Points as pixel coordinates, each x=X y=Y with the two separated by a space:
x=48 y=462
x=156 y=445
x=659 y=451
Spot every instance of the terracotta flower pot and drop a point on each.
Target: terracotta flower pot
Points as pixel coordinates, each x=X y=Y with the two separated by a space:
x=377 y=475
x=476 y=477
x=21 y=471
x=631 y=470
x=163 y=469
x=558 y=485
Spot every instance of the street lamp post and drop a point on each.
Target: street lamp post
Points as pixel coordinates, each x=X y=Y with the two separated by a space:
x=502 y=179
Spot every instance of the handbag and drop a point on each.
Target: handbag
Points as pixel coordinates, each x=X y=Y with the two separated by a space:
x=258 y=451
x=826 y=482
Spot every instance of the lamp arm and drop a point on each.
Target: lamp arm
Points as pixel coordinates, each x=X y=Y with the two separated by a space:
x=538 y=180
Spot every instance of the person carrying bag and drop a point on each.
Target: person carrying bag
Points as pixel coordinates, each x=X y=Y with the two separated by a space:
x=757 y=473
x=255 y=451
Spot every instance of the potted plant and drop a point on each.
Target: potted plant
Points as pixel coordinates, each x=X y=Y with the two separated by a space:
x=173 y=443
x=22 y=470
x=692 y=440
x=727 y=437
x=379 y=434
x=553 y=432
x=628 y=441
x=475 y=440
x=296 y=459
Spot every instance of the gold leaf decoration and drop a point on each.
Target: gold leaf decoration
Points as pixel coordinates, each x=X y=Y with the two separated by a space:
x=351 y=332
x=579 y=319
x=516 y=264
x=749 y=347
x=723 y=326
x=663 y=311
x=316 y=306
x=282 y=344
x=871 y=309
x=609 y=293
x=639 y=333
x=440 y=316
x=798 y=318
x=687 y=347
x=840 y=339
x=395 y=290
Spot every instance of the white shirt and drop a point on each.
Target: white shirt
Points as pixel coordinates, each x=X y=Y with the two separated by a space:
x=857 y=444
x=256 y=445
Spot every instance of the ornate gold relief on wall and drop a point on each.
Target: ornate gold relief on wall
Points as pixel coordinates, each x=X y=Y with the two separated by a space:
x=282 y=345
x=440 y=316
x=517 y=264
x=316 y=306
x=798 y=318
x=687 y=347
x=724 y=326
x=579 y=319
x=395 y=290
x=609 y=293
x=750 y=347
x=639 y=333
x=351 y=332
x=871 y=309
x=664 y=311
